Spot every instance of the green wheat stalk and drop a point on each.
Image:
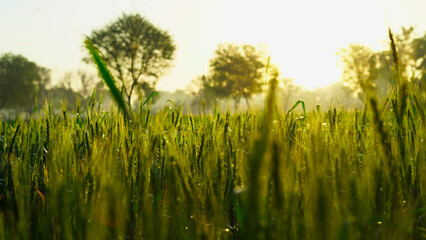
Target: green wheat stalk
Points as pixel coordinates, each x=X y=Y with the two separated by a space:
x=106 y=75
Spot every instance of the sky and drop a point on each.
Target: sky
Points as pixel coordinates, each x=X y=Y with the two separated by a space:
x=303 y=36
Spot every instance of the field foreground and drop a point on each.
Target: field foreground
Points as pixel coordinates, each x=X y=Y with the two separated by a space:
x=334 y=174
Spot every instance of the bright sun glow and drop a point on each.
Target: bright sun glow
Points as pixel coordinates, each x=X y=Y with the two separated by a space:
x=303 y=36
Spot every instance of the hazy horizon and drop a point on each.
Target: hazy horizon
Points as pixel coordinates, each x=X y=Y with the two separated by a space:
x=302 y=37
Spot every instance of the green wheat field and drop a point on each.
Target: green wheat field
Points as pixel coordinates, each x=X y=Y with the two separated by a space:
x=264 y=174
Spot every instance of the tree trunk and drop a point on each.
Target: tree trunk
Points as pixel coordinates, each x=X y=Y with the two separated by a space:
x=129 y=97
x=248 y=103
x=236 y=101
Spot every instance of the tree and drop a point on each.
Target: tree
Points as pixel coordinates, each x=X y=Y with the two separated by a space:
x=203 y=91
x=61 y=94
x=43 y=81
x=137 y=52
x=66 y=80
x=360 y=66
x=20 y=81
x=419 y=45
x=287 y=91
x=412 y=56
x=235 y=72
x=87 y=83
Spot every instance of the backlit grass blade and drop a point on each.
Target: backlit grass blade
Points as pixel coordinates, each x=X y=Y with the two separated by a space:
x=149 y=97
x=106 y=75
x=294 y=106
x=92 y=99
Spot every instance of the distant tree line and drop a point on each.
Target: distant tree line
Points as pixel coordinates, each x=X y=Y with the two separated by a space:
x=237 y=71
x=364 y=68
x=21 y=81
x=25 y=85
x=138 y=54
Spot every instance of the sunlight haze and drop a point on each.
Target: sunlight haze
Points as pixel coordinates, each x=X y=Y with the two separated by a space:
x=302 y=36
